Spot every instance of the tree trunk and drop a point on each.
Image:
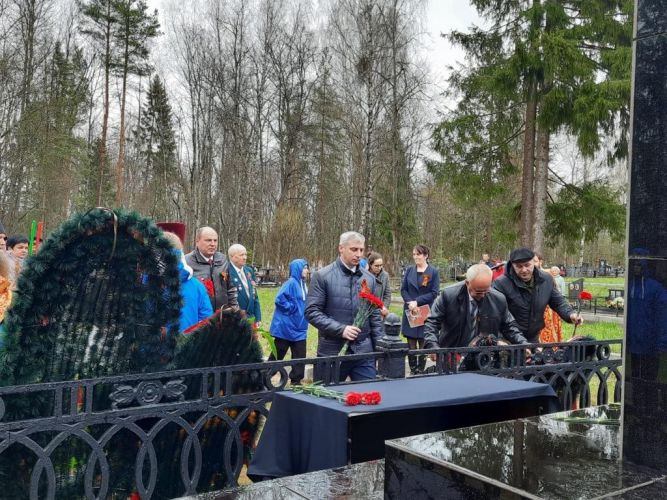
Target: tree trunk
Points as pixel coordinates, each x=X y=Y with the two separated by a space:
x=528 y=164
x=102 y=147
x=540 y=188
x=120 y=164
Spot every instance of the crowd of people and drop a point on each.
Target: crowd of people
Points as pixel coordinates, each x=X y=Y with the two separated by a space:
x=516 y=301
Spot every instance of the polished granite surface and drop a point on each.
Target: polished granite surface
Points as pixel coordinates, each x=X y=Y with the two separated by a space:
x=645 y=358
x=363 y=480
x=570 y=455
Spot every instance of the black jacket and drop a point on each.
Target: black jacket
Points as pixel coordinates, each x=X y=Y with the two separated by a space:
x=528 y=305
x=331 y=305
x=447 y=325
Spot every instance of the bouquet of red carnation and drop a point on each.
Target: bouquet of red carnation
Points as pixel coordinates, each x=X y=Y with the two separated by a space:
x=348 y=398
x=367 y=304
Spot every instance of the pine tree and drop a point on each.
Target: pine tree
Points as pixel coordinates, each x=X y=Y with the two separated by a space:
x=135 y=27
x=99 y=18
x=548 y=66
x=47 y=144
x=156 y=143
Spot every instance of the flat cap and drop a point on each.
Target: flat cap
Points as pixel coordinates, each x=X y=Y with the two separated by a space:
x=520 y=254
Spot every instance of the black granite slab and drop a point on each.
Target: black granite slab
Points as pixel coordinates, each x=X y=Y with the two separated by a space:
x=547 y=457
x=645 y=371
x=365 y=480
x=651 y=17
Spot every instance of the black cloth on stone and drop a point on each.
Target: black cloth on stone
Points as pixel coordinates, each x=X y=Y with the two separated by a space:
x=304 y=433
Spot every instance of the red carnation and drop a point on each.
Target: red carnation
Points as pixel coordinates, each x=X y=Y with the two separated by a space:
x=367 y=304
x=210 y=289
x=375 y=301
x=352 y=398
x=245 y=437
x=371 y=398
x=584 y=295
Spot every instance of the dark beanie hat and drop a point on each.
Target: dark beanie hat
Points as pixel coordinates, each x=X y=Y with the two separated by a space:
x=520 y=254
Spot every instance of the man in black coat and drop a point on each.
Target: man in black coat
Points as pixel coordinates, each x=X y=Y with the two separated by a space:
x=467 y=309
x=528 y=291
x=332 y=304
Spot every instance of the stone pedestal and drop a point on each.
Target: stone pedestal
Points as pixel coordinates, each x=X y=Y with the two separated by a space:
x=570 y=455
x=393 y=365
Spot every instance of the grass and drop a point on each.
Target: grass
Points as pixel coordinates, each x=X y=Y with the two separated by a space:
x=599 y=331
x=599 y=287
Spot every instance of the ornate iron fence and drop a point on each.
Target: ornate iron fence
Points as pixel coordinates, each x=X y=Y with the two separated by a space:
x=167 y=434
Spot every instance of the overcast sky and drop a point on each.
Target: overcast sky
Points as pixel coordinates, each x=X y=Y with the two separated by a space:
x=443 y=16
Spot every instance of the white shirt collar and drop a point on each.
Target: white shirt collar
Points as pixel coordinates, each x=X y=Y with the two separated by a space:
x=353 y=269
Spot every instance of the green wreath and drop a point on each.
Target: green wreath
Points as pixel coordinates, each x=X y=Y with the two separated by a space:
x=93 y=302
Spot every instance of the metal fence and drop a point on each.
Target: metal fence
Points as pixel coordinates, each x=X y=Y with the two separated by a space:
x=167 y=434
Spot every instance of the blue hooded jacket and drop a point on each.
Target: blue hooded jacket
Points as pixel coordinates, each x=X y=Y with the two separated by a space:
x=196 y=303
x=289 y=321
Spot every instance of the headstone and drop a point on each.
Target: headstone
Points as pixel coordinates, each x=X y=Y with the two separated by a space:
x=645 y=373
x=574 y=289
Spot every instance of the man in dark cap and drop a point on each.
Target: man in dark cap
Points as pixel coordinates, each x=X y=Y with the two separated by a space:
x=528 y=291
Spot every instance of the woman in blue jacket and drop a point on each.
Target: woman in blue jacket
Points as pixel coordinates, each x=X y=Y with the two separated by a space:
x=289 y=327
x=420 y=286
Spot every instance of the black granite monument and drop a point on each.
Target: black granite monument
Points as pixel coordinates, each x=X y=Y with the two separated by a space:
x=645 y=383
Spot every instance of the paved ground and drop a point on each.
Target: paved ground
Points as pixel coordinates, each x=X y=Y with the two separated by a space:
x=602 y=318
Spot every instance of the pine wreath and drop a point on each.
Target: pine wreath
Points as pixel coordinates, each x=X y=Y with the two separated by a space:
x=224 y=339
x=93 y=302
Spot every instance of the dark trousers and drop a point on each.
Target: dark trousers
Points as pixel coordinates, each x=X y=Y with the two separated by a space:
x=417 y=363
x=358 y=370
x=298 y=349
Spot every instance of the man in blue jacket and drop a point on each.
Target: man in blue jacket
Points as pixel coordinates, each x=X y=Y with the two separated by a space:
x=289 y=327
x=332 y=304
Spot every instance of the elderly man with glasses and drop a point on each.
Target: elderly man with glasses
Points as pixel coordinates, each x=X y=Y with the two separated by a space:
x=467 y=309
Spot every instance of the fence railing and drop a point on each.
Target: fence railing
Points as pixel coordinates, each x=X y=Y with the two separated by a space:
x=168 y=434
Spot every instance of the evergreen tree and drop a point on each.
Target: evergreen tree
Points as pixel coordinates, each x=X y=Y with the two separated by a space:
x=324 y=135
x=156 y=143
x=48 y=146
x=546 y=66
x=134 y=28
x=99 y=18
